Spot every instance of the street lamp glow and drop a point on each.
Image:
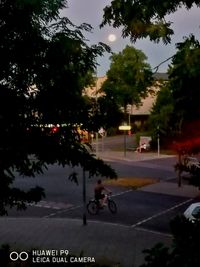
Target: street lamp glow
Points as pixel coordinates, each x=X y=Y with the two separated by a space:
x=112 y=37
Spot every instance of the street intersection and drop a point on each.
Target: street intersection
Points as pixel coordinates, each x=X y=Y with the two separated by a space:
x=143 y=217
x=150 y=211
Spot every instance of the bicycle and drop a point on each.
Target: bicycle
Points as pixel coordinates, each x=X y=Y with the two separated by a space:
x=93 y=206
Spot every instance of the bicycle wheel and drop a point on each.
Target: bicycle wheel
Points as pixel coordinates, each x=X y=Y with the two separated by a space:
x=112 y=206
x=92 y=208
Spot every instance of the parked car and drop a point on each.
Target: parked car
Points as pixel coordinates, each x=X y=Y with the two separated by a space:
x=192 y=213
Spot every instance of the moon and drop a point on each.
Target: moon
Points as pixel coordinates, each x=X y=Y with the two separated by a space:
x=112 y=37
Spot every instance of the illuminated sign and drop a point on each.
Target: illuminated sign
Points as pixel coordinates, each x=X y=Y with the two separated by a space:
x=124 y=127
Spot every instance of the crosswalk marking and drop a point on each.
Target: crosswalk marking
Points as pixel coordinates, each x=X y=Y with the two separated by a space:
x=51 y=205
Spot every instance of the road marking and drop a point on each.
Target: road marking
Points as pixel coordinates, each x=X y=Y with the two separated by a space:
x=161 y=213
x=51 y=205
x=122 y=193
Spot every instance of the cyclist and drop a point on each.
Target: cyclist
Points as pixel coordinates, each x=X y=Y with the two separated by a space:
x=98 y=192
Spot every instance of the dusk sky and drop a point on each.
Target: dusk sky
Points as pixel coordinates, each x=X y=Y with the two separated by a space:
x=91 y=12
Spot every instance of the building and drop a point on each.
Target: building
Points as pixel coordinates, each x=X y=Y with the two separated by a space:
x=138 y=114
x=95 y=90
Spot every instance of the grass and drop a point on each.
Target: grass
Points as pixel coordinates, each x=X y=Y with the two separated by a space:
x=131 y=182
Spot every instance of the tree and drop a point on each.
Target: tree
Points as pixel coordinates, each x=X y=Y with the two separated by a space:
x=141 y=19
x=128 y=77
x=105 y=113
x=161 y=115
x=45 y=63
x=183 y=118
x=184 y=75
x=179 y=92
x=185 y=248
x=144 y=18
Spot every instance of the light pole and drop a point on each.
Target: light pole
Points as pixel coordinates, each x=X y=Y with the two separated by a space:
x=96 y=135
x=158 y=139
x=125 y=128
x=128 y=110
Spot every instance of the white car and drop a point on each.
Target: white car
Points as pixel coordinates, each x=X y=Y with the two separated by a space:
x=192 y=213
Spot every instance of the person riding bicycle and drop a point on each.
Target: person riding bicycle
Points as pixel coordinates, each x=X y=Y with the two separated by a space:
x=98 y=192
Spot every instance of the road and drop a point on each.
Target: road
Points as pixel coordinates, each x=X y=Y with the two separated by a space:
x=114 y=143
x=148 y=211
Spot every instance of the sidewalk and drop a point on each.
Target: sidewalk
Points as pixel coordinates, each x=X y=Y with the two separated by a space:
x=130 y=156
x=104 y=241
x=172 y=189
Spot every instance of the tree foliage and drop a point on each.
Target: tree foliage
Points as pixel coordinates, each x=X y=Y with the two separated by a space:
x=144 y=18
x=185 y=248
x=159 y=121
x=45 y=63
x=105 y=113
x=128 y=77
x=184 y=78
x=177 y=106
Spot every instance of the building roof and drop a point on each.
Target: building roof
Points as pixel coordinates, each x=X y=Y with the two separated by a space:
x=145 y=107
x=147 y=103
x=161 y=76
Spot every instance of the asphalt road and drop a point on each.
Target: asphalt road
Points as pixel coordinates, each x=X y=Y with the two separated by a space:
x=149 y=211
x=160 y=169
x=145 y=210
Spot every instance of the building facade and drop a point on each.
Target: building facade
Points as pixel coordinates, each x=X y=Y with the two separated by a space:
x=138 y=115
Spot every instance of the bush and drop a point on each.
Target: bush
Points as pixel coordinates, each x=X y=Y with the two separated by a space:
x=185 y=248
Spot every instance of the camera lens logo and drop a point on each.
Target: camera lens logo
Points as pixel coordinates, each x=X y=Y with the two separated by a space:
x=23 y=256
